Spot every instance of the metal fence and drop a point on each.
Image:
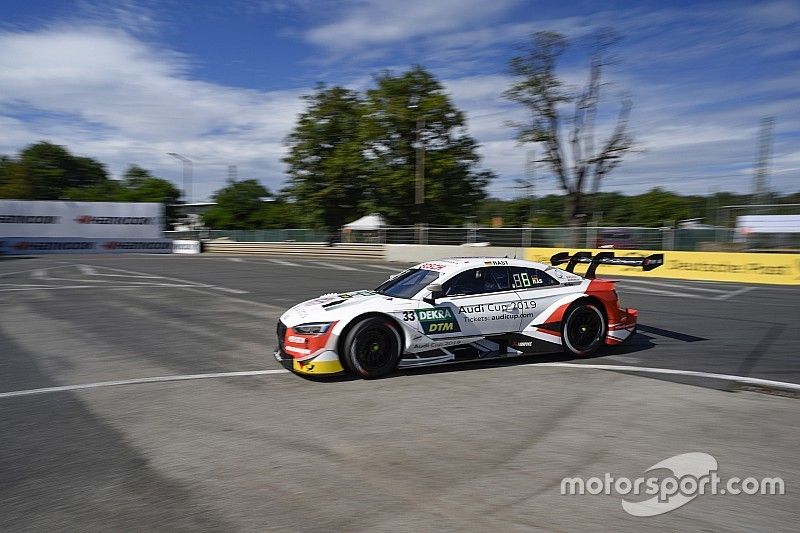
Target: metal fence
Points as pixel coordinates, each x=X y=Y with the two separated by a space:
x=690 y=239
x=589 y=237
x=257 y=235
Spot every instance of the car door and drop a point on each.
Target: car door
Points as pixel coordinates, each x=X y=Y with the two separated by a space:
x=536 y=289
x=476 y=302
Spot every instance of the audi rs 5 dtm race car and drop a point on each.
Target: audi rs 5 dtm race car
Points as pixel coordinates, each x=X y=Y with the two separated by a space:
x=460 y=309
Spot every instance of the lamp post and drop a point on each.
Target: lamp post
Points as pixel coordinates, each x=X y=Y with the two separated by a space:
x=187 y=175
x=419 y=170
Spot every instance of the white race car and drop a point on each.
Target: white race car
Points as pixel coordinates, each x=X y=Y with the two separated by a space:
x=459 y=309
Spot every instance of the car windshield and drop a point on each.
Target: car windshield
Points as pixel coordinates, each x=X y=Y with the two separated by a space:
x=407 y=284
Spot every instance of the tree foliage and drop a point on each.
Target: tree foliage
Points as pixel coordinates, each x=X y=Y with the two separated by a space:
x=403 y=113
x=350 y=155
x=654 y=208
x=584 y=164
x=247 y=204
x=43 y=171
x=326 y=166
x=46 y=171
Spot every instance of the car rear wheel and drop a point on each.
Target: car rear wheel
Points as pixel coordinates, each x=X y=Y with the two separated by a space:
x=372 y=348
x=583 y=330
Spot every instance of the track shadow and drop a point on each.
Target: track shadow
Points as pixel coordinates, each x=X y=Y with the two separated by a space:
x=641 y=341
x=678 y=336
x=15 y=257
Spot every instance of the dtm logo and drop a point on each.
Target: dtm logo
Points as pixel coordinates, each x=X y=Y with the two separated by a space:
x=437 y=321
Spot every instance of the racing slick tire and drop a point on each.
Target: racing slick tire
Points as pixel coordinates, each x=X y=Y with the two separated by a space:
x=372 y=348
x=584 y=329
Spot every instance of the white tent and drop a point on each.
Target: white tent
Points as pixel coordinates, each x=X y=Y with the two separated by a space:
x=368 y=222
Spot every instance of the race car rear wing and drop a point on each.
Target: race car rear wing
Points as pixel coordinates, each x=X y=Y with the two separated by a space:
x=605 y=258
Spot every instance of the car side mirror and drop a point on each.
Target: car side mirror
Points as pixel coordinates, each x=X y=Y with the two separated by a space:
x=436 y=292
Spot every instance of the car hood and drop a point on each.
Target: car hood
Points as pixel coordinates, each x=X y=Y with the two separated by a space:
x=336 y=306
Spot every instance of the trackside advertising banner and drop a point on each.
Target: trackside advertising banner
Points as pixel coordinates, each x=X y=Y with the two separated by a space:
x=186 y=247
x=64 y=245
x=86 y=220
x=778 y=269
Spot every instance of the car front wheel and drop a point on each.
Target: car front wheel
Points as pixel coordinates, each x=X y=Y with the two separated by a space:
x=372 y=348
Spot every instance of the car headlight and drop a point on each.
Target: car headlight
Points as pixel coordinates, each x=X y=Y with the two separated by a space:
x=313 y=328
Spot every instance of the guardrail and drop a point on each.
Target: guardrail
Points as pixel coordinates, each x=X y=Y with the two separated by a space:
x=305 y=249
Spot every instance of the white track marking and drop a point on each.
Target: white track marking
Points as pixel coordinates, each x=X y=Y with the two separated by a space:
x=673 y=285
x=278 y=311
x=390 y=269
x=181 y=282
x=284 y=263
x=31 y=270
x=650 y=370
x=138 y=381
x=178 y=280
x=98 y=287
x=646 y=290
x=187 y=377
x=226 y=289
x=735 y=293
x=86 y=269
x=334 y=266
x=236 y=259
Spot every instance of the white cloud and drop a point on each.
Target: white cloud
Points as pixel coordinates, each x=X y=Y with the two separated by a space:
x=386 y=21
x=106 y=94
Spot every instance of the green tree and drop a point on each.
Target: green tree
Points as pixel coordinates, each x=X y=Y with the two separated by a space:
x=240 y=205
x=14 y=182
x=44 y=171
x=326 y=165
x=407 y=112
x=581 y=168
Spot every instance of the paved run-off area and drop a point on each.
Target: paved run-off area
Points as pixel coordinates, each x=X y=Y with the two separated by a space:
x=477 y=446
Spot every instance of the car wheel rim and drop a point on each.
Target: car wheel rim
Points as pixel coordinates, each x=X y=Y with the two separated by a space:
x=373 y=348
x=585 y=328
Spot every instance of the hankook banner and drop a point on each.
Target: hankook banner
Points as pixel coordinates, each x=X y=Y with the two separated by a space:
x=92 y=220
x=77 y=245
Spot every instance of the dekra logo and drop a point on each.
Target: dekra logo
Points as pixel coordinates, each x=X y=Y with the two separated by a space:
x=429 y=315
x=437 y=320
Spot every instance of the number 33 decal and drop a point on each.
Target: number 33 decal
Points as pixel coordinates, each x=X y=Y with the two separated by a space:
x=408 y=316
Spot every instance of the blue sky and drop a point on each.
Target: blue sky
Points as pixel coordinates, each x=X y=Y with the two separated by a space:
x=220 y=82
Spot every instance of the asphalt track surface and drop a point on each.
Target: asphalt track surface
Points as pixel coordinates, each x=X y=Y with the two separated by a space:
x=474 y=446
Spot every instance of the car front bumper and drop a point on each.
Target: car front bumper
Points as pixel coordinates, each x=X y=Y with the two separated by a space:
x=325 y=363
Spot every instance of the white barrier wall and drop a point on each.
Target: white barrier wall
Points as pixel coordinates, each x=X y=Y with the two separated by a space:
x=186 y=247
x=413 y=253
x=89 y=220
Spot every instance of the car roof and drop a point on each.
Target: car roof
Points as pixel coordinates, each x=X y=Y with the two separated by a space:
x=452 y=265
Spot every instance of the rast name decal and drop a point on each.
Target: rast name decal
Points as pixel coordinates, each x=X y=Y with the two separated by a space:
x=437 y=321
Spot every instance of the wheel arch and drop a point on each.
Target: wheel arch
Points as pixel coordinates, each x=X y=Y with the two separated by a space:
x=371 y=314
x=592 y=299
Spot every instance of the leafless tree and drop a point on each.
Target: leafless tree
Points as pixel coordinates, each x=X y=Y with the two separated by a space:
x=577 y=161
